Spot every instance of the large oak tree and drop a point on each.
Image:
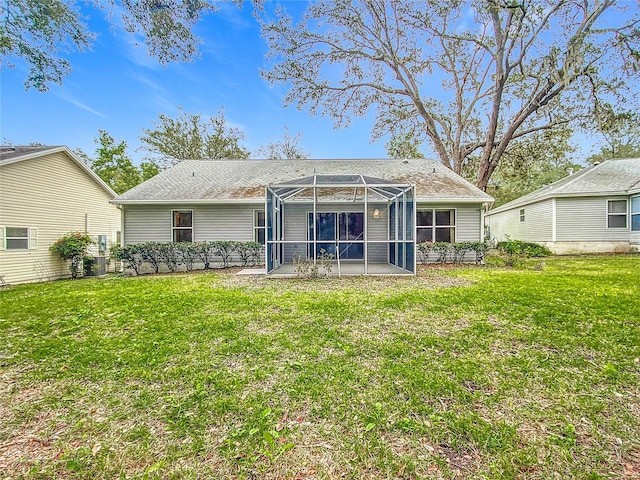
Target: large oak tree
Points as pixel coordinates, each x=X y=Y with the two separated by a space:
x=469 y=76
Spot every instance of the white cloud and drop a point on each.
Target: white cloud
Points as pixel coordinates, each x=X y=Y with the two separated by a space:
x=81 y=105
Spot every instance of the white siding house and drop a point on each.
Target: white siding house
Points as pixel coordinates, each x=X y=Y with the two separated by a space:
x=596 y=210
x=46 y=192
x=230 y=200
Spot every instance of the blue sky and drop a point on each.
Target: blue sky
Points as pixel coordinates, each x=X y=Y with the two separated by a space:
x=117 y=87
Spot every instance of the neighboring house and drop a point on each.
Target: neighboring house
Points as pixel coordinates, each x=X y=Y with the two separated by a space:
x=46 y=192
x=596 y=210
x=368 y=213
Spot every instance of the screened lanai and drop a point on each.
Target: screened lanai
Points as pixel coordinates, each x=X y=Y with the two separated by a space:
x=362 y=225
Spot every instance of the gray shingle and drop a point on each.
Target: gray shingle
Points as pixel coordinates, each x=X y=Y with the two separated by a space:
x=243 y=180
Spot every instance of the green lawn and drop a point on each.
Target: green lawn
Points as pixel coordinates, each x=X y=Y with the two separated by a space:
x=474 y=372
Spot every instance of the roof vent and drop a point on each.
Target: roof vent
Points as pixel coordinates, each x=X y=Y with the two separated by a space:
x=596 y=163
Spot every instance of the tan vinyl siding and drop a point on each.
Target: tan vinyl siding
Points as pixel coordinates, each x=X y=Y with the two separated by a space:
x=537 y=225
x=152 y=223
x=54 y=195
x=585 y=219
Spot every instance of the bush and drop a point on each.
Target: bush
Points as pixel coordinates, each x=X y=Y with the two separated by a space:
x=454 y=252
x=515 y=251
x=172 y=255
x=249 y=252
x=129 y=255
x=72 y=247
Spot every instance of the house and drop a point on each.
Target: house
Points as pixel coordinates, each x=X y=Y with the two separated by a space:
x=596 y=210
x=368 y=214
x=46 y=192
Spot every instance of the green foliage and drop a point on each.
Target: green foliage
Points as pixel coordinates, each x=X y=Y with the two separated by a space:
x=41 y=33
x=529 y=163
x=515 y=251
x=151 y=253
x=113 y=165
x=223 y=249
x=620 y=131
x=190 y=137
x=451 y=252
x=249 y=252
x=192 y=255
x=129 y=255
x=72 y=247
x=35 y=32
x=283 y=149
x=404 y=145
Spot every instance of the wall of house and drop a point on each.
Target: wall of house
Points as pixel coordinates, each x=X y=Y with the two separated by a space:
x=583 y=219
x=468 y=219
x=537 y=225
x=51 y=195
x=146 y=223
x=152 y=223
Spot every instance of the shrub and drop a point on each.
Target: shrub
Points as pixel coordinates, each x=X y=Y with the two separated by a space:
x=151 y=254
x=205 y=253
x=189 y=253
x=454 y=252
x=129 y=255
x=307 y=268
x=171 y=255
x=515 y=251
x=223 y=249
x=249 y=252
x=72 y=247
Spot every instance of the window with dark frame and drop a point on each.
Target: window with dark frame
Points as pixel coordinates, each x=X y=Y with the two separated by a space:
x=435 y=225
x=522 y=214
x=182 y=226
x=259 y=227
x=616 y=214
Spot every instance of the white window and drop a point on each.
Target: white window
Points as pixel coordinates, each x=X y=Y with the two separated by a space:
x=19 y=238
x=616 y=214
x=259 y=228
x=635 y=214
x=435 y=225
x=182 y=225
x=522 y=214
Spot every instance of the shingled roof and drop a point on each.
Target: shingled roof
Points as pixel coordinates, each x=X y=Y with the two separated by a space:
x=227 y=181
x=612 y=177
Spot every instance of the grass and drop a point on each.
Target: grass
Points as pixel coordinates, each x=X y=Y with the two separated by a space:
x=466 y=372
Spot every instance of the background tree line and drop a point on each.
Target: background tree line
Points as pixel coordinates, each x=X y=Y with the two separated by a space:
x=170 y=140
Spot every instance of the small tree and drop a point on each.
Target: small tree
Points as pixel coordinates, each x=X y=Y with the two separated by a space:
x=72 y=248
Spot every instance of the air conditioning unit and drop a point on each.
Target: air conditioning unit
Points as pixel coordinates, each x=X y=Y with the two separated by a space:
x=99 y=267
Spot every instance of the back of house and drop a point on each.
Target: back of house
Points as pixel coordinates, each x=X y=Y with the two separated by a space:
x=595 y=210
x=365 y=212
x=46 y=192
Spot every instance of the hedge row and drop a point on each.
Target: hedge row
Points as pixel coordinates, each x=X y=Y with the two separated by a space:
x=445 y=252
x=172 y=255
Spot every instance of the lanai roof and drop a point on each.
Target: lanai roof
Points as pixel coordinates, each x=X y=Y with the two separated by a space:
x=612 y=177
x=227 y=181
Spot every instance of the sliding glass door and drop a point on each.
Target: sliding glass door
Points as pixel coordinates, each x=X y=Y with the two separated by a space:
x=344 y=231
